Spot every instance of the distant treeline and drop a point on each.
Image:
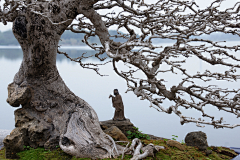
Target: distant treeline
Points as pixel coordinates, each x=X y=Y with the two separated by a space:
x=75 y=39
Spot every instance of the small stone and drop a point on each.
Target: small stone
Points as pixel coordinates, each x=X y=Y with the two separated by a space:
x=116 y=133
x=214 y=148
x=208 y=152
x=176 y=144
x=104 y=127
x=198 y=139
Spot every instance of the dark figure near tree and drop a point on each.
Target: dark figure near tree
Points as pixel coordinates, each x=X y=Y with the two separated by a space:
x=118 y=105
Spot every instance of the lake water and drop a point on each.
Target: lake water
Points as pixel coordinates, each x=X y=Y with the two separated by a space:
x=95 y=90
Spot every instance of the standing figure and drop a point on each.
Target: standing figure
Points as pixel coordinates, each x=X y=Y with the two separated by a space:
x=118 y=105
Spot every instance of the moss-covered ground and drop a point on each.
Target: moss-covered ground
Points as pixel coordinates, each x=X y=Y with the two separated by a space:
x=170 y=153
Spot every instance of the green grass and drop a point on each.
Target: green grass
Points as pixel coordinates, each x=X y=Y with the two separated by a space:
x=170 y=153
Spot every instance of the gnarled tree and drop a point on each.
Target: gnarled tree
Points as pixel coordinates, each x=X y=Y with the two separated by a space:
x=52 y=114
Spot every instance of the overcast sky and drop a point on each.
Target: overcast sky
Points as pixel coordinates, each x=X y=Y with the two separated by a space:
x=201 y=3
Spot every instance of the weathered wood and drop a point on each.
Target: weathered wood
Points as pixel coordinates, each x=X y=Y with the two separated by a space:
x=49 y=110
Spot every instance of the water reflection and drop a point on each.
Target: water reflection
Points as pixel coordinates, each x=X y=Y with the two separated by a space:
x=95 y=90
x=11 y=54
x=17 y=54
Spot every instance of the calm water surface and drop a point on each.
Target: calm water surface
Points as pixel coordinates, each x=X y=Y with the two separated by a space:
x=95 y=90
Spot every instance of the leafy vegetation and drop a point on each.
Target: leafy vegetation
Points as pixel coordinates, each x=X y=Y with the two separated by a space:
x=174 y=138
x=182 y=142
x=169 y=153
x=137 y=134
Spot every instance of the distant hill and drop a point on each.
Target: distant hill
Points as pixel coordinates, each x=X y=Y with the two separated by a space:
x=75 y=39
x=68 y=38
x=7 y=38
x=71 y=39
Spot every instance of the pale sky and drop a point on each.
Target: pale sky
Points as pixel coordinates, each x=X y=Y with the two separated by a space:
x=201 y=3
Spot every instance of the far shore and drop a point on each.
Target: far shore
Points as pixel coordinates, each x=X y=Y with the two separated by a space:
x=61 y=47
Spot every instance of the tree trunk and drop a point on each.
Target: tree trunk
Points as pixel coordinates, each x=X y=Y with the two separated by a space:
x=49 y=111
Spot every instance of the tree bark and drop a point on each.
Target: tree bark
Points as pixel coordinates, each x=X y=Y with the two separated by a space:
x=50 y=112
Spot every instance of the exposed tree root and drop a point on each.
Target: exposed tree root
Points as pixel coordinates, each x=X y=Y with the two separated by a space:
x=148 y=150
x=114 y=150
x=85 y=139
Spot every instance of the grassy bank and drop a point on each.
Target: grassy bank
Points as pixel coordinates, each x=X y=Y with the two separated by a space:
x=170 y=153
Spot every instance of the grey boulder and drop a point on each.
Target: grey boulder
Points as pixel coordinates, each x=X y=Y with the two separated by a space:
x=198 y=139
